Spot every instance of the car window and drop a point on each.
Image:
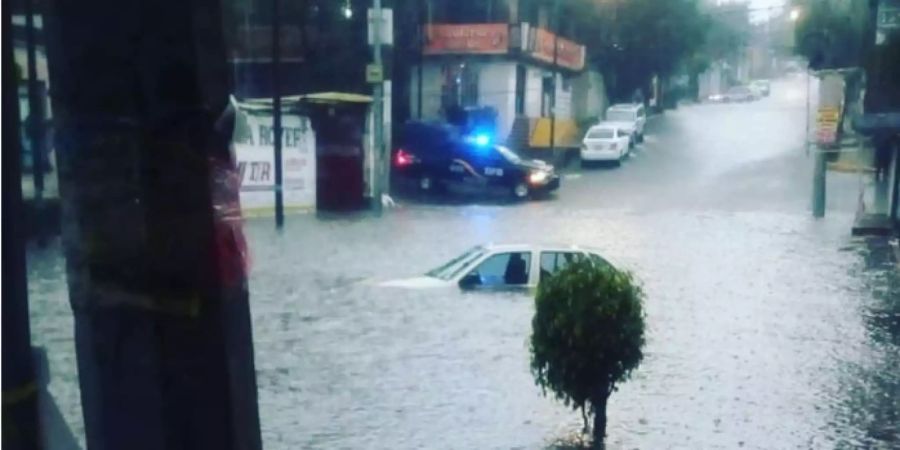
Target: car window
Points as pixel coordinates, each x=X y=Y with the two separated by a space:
x=600 y=133
x=620 y=115
x=505 y=269
x=508 y=154
x=598 y=260
x=621 y=133
x=551 y=262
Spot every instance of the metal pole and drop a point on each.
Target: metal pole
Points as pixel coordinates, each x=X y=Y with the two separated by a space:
x=419 y=67
x=895 y=194
x=276 y=111
x=35 y=108
x=553 y=85
x=378 y=127
x=806 y=137
x=819 y=184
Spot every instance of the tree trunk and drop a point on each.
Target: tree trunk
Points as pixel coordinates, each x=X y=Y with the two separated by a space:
x=599 y=431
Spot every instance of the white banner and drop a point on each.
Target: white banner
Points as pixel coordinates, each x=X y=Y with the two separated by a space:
x=255 y=160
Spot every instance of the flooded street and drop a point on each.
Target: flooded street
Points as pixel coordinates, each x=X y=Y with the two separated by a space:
x=766 y=328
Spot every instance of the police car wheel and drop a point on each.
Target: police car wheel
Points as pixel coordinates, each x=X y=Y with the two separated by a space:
x=520 y=191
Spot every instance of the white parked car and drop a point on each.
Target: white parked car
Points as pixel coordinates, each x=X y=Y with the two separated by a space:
x=605 y=142
x=499 y=267
x=631 y=117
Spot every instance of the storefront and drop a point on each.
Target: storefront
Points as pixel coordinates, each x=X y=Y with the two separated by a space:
x=508 y=67
x=326 y=154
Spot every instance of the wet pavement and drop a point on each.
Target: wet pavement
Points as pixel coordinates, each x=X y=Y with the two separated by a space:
x=766 y=328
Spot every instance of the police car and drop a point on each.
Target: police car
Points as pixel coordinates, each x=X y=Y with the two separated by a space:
x=435 y=157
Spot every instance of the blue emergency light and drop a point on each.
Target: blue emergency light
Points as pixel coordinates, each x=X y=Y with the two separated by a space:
x=481 y=139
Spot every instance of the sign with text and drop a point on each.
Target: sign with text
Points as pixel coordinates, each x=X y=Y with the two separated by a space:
x=568 y=54
x=256 y=158
x=473 y=39
x=827 y=124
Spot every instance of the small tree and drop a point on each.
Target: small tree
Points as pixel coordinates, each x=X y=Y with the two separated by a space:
x=587 y=336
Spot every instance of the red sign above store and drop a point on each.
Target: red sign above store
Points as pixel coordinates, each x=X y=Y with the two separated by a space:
x=568 y=54
x=479 y=39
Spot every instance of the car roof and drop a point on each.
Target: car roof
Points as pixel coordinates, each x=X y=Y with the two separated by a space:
x=537 y=246
x=626 y=106
x=605 y=125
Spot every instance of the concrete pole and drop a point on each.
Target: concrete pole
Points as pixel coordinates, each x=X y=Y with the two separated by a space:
x=378 y=184
x=156 y=278
x=819 y=183
x=276 y=112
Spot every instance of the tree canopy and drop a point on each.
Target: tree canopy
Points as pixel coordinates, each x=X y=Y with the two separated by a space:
x=587 y=335
x=631 y=41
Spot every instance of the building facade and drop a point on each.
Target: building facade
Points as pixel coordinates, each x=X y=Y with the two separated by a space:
x=507 y=56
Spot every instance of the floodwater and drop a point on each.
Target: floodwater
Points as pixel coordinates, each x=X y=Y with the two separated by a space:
x=765 y=328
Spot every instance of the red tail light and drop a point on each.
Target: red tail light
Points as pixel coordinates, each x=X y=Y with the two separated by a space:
x=403 y=159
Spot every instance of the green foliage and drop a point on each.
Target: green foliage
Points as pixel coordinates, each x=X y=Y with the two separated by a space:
x=630 y=41
x=588 y=332
x=828 y=36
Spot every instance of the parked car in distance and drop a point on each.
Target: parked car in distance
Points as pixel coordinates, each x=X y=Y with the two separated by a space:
x=740 y=94
x=761 y=88
x=631 y=117
x=499 y=267
x=607 y=141
x=434 y=157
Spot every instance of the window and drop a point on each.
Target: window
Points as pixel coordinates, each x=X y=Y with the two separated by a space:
x=620 y=115
x=551 y=262
x=601 y=133
x=505 y=269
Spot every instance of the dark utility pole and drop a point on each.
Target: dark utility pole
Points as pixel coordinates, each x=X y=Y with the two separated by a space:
x=276 y=112
x=156 y=275
x=35 y=120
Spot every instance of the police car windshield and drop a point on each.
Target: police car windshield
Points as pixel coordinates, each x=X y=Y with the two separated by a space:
x=508 y=154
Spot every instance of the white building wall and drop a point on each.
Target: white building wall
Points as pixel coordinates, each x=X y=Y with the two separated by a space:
x=497 y=88
x=431 y=91
x=533 y=91
x=563 y=97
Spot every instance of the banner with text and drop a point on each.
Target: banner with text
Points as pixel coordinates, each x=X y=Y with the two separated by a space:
x=568 y=54
x=256 y=158
x=477 y=39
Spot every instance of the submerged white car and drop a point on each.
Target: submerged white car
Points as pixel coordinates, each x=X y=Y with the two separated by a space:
x=605 y=142
x=499 y=267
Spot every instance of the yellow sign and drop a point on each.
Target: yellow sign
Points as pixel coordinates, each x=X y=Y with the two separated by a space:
x=828 y=115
